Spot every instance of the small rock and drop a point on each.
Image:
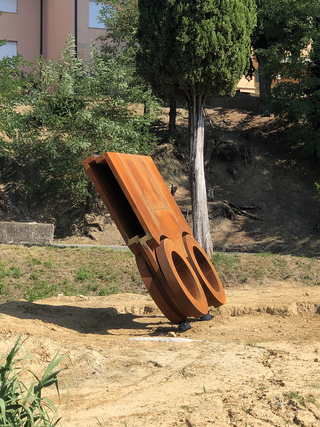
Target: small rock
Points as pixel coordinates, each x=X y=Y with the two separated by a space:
x=316 y=359
x=307 y=294
x=172 y=334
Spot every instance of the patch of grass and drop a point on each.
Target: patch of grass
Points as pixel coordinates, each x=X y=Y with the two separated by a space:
x=4 y=272
x=109 y=290
x=16 y=272
x=262 y=387
x=228 y=261
x=83 y=274
x=259 y=274
x=101 y=275
x=93 y=287
x=13 y=271
x=229 y=268
x=279 y=262
x=302 y=400
x=283 y=313
x=41 y=290
x=315 y=385
x=48 y=264
x=265 y=254
x=67 y=288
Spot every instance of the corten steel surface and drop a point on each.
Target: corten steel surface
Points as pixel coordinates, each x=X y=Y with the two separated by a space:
x=176 y=271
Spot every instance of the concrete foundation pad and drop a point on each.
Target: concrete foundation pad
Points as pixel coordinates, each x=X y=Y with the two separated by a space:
x=21 y=233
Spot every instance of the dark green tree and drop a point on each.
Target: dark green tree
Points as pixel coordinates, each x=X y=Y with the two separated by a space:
x=120 y=42
x=284 y=30
x=195 y=49
x=288 y=39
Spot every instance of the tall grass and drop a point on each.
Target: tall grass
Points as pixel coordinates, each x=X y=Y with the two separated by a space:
x=22 y=405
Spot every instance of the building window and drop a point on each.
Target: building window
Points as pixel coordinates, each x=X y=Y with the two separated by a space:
x=9 y=49
x=94 y=10
x=9 y=6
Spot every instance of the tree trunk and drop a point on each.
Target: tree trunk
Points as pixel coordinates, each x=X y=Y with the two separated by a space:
x=201 y=226
x=264 y=85
x=172 y=117
x=146 y=110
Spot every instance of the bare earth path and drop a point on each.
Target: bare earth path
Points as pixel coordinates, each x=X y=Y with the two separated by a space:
x=256 y=363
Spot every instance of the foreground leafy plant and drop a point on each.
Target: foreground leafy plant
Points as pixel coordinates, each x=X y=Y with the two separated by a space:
x=22 y=406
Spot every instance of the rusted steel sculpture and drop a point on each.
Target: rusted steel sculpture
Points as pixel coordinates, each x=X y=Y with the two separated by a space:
x=174 y=268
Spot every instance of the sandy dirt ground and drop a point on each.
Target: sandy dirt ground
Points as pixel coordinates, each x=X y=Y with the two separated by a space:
x=256 y=363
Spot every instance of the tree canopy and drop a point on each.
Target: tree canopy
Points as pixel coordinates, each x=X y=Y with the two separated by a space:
x=200 y=46
x=287 y=36
x=195 y=49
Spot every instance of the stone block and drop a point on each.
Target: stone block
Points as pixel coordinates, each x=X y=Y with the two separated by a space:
x=21 y=233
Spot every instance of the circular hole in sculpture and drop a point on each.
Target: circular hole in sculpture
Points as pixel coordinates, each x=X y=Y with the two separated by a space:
x=186 y=276
x=206 y=269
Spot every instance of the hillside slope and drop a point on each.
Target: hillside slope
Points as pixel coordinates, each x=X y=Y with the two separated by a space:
x=262 y=194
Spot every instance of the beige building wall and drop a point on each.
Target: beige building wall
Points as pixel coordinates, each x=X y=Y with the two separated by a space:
x=58 y=21
x=85 y=33
x=249 y=86
x=23 y=27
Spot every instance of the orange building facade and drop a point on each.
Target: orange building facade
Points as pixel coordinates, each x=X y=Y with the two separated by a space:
x=40 y=27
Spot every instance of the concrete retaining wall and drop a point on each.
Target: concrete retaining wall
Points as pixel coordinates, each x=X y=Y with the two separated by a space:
x=20 y=233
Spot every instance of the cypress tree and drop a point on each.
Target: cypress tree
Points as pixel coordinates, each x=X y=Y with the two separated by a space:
x=195 y=49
